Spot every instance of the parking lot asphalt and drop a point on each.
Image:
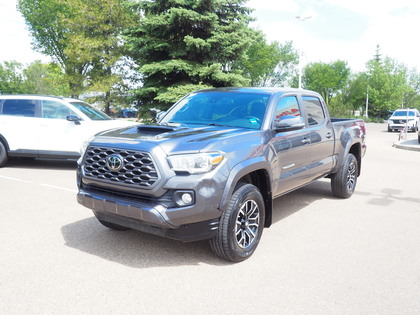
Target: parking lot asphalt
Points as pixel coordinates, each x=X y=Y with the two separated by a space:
x=322 y=255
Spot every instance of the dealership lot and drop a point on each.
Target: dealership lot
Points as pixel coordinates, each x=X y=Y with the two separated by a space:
x=322 y=255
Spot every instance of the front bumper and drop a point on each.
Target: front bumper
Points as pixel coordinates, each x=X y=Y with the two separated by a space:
x=394 y=126
x=146 y=217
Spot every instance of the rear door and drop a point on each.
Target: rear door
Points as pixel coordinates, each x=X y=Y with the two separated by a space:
x=291 y=149
x=19 y=124
x=321 y=136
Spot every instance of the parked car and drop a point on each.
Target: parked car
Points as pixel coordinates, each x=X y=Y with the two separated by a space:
x=418 y=135
x=128 y=113
x=212 y=165
x=402 y=118
x=45 y=126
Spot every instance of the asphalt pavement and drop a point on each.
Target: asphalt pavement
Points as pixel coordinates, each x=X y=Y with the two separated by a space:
x=322 y=255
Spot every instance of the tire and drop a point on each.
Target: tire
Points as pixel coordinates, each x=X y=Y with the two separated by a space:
x=241 y=225
x=3 y=154
x=389 y=129
x=418 y=138
x=344 y=182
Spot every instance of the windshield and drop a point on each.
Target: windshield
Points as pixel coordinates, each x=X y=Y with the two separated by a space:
x=245 y=110
x=90 y=111
x=403 y=113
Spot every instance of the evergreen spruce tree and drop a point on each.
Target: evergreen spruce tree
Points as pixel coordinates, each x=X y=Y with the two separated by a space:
x=183 y=45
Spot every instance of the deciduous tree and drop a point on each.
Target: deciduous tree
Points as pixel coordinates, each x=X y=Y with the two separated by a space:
x=326 y=78
x=269 y=64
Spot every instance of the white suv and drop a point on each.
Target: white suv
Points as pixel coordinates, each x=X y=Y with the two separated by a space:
x=44 y=126
x=404 y=117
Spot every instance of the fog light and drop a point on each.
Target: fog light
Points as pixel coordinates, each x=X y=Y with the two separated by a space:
x=186 y=198
x=183 y=198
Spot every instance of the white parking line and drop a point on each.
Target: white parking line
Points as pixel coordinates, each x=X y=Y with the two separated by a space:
x=39 y=184
x=58 y=187
x=15 y=179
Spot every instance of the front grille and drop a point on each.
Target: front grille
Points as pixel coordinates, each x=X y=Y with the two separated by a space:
x=399 y=121
x=138 y=168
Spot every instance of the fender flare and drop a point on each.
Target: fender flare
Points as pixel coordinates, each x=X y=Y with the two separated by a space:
x=342 y=154
x=239 y=171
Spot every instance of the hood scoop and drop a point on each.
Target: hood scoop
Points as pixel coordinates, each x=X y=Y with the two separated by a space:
x=155 y=130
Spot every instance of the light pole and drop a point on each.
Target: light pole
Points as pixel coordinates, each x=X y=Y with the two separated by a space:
x=367 y=101
x=300 y=18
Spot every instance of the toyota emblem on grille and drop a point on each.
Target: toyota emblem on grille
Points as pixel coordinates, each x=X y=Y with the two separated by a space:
x=114 y=162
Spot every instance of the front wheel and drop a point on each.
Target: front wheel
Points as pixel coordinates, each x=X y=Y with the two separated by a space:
x=344 y=182
x=3 y=154
x=241 y=225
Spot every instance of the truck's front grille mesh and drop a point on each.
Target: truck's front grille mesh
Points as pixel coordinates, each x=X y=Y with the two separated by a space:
x=137 y=167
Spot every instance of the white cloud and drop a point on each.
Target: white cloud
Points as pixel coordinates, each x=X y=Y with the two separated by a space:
x=14 y=37
x=282 y=6
x=375 y=8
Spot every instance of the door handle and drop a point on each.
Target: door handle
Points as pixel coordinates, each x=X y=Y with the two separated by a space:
x=306 y=141
x=328 y=135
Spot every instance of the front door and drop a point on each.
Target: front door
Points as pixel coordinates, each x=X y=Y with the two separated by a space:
x=291 y=149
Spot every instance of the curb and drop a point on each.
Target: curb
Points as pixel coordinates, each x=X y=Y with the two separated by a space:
x=411 y=145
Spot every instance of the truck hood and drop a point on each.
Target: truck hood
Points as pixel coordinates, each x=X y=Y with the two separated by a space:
x=173 y=138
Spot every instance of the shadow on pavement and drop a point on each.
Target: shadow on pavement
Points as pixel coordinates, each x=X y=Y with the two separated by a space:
x=297 y=200
x=141 y=250
x=134 y=248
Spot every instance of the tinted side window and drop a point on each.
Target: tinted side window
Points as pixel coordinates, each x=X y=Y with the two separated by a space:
x=287 y=107
x=55 y=110
x=24 y=108
x=314 y=109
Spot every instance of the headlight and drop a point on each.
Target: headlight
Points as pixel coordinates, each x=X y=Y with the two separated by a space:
x=84 y=146
x=195 y=163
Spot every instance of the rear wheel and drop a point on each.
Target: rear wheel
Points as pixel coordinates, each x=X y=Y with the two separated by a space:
x=3 y=154
x=241 y=225
x=344 y=182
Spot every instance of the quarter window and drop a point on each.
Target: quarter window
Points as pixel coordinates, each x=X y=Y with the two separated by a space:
x=24 y=108
x=314 y=110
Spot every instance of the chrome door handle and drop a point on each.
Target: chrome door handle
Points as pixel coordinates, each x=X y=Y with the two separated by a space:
x=306 y=141
x=328 y=135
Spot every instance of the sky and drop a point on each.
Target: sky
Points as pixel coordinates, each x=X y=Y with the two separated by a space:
x=328 y=30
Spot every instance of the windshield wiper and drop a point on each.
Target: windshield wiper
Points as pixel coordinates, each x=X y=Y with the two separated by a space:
x=218 y=125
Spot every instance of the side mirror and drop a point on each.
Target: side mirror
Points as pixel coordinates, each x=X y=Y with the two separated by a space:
x=74 y=119
x=288 y=123
x=156 y=114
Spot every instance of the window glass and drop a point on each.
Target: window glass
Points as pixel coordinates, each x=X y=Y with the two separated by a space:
x=90 y=111
x=25 y=108
x=244 y=110
x=403 y=113
x=55 y=110
x=314 y=109
x=287 y=108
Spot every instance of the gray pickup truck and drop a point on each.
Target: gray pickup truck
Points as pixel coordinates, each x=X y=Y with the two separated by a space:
x=213 y=163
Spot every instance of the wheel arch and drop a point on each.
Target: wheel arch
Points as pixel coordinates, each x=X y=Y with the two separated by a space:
x=356 y=150
x=4 y=141
x=256 y=173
